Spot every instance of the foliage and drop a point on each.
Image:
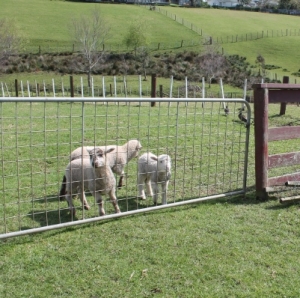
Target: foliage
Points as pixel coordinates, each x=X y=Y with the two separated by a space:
x=91 y=32
x=10 y=39
x=289 y=4
x=136 y=36
x=211 y=64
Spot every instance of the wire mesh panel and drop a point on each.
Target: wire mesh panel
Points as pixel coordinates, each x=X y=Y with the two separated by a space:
x=207 y=146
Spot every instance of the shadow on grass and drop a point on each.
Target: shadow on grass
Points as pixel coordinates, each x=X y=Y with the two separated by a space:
x=60 y=213
x=53 y=217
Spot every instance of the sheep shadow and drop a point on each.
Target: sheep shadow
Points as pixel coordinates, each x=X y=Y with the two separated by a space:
x=52 y=217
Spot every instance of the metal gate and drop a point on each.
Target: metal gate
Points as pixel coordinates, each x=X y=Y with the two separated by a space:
x=207 y=143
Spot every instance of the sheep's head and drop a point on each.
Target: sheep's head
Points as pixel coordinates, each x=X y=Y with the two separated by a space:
x=98 y=157
x=163 y=164
x=136 y=145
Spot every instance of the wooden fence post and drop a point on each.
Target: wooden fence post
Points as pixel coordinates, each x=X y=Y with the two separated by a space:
x=16 y=88
x=283 y=104
x=71 y=86
x=261 y=98
x=153 y=88
x=265 y=94
x=161 y=94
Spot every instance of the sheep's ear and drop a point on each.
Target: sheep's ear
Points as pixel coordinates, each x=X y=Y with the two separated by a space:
x=109 y=150
x=154 y=158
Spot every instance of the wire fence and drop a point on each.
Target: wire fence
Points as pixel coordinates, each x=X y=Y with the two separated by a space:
x=112 y=86
x=233 y=38
x=208 y=149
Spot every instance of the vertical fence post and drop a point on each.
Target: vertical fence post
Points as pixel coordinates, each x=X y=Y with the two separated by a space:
x=161 y=94
x=16 y=88
x=153 y=88
x=261 y=99
x=71 y=86
x=283 y=104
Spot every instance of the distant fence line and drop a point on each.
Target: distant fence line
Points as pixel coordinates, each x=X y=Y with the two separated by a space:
x=111 y=87
x=119 y=48
x=252 y=36
x=206 y=39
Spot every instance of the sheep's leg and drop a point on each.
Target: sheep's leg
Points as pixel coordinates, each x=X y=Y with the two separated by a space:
x=120 y=184
x=99 y=202
x=114 y=201
x=83 y=200
x=62 y=191
x=164 y=192
x=141 y=187
x=72 y=209
x=149 y=188
x=155 y=193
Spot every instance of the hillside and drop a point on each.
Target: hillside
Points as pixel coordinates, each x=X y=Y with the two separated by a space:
x=46 y=25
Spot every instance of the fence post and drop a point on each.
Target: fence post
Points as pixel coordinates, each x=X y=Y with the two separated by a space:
x=153 y=88
x=283 y=104
x=71 y=86
x=161 y=94
x=261 y=98
x=16 y=88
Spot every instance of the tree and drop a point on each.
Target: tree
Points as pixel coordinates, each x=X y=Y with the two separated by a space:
x=144 y=57
x=10 y=39
x=244 y=2
x=289 y=4
x=90 y=32
x=267 y=3
x=260 y=61
x=136 y=36
x=213 y=64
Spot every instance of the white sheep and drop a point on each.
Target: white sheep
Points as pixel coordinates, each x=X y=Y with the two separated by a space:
x=91 y=174
x=152 y=171
x=116 y=160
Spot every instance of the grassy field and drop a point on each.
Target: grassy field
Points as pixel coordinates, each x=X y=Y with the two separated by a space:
x=231 y=247
x=49 y=25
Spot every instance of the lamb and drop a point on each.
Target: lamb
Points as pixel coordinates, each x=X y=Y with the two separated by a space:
x=92 y=174
x=152 y=171
x=116 y=160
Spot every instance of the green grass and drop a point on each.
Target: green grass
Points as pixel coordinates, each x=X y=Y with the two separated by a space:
x=43 y=135
x=232 y=247
x=219 y=249
x=219 y=23
x=50 y=23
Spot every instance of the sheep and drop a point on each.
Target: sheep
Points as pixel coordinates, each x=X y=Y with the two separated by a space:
x=116 y=160
x=152 y=171
x=92 y=174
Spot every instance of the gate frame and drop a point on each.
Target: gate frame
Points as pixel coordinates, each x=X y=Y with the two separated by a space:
x=149 y=100
x=265 y=94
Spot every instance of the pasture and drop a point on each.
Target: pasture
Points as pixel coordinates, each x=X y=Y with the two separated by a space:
x=235 y=246
x=231 y=247
x=49 y=26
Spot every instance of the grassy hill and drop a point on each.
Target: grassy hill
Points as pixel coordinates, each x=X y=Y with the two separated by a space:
x=47 y=23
